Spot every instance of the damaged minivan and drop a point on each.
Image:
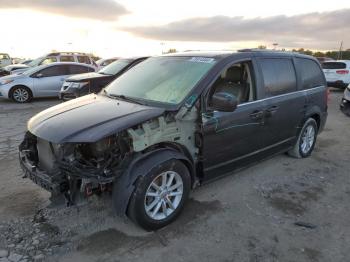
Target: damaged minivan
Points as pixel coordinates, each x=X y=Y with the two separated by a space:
x=172 y=123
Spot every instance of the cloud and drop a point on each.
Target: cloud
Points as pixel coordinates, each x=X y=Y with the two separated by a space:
x=313 y=30
x=93 y=9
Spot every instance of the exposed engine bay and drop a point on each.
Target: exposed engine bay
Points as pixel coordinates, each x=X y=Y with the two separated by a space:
x=73 y=169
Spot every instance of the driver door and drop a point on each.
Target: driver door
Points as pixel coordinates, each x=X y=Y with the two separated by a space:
x=231 y=139
x=48 y=82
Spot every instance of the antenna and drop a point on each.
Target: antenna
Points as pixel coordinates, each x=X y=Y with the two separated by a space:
x=340 y=55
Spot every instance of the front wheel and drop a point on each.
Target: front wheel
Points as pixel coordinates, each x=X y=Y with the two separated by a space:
x=21 y=94
x=160 y=195
x=306 y=140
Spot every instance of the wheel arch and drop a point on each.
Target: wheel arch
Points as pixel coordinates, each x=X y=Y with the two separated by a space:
x=19 y=85
x=124 y=186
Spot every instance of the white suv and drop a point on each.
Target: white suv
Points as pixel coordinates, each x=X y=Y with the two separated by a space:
x=82 y=58
x=337 y=73
x=5 y=60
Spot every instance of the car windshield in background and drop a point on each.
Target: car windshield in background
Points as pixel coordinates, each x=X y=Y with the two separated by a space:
x=35 y=62
x=115 y=67
x=333 y=65
x=162 y=79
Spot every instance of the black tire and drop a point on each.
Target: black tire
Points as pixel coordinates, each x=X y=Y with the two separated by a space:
x=137 y=205
x=297 y=151
x=25 y=98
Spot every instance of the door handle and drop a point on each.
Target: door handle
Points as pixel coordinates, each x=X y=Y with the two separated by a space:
x=256 y=115
x=271 y=110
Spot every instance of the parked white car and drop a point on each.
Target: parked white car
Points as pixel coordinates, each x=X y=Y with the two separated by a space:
x=40 y=81
x=82 y=58
x=337 y=73
x=5 y=60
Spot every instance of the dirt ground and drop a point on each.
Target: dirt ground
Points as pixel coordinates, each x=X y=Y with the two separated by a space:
x=282 y=209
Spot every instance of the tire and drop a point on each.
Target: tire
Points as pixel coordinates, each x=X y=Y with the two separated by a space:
x=21 y=94
x=160 y=196
x=306 y=140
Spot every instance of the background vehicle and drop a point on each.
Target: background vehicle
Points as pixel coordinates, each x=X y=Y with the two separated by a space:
x=105 y=62
x=8 y=70
x=5 y=60
x=173 y=122
x=83 y=84
x=324 y=59
x=40 y=81
x=26 y=62
x=345 y=102
x=337 y=73
x=60 y=57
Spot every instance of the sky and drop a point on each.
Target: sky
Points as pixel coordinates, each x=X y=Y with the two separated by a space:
x=109 y=28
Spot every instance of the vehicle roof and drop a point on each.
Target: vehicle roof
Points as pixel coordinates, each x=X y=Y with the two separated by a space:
x=252 y=52
x=336 y=61
x=67 y=53
x=67 y=63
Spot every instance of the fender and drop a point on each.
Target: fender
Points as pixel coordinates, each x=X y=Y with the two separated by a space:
x=124 y=186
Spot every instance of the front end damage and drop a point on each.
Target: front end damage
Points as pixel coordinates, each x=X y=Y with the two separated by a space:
x=73 y=168
x=76 y=169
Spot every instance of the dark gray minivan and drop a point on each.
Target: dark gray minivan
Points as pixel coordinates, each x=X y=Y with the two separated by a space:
x=172 y=123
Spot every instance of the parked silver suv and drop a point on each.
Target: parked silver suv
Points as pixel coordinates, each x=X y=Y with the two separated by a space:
x=59 y=57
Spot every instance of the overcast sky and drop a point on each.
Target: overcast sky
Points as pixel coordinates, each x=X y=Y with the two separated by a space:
x=31 y=28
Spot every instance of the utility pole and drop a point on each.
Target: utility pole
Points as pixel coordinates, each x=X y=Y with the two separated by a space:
x=340 y=55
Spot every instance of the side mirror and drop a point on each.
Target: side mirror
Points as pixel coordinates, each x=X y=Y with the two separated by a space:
x=224 y=102
x=40 y=75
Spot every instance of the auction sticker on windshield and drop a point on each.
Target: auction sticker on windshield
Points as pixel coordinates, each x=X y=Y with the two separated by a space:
x=202 y=60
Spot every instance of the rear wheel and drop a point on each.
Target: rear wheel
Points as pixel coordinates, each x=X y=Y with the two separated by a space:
x=20 y=94
x=306 y=140
x=160 y=195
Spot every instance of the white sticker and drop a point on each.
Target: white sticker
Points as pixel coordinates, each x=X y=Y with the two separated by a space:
x=202 y=60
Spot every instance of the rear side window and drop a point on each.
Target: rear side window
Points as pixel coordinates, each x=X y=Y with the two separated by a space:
x=84 y=59
x=77 y=69
x=57 y=70
x=333 y=65
x=310 y=73
x=279 y=76
x=67 y=58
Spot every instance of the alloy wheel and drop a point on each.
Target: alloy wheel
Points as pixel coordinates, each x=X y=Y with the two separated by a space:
x=163 y=195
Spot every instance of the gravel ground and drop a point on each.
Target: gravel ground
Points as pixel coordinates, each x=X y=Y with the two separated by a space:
x=282 y=209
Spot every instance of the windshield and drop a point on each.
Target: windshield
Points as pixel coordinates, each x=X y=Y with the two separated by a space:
x=162 y=79
x=115 y=67
x=35 y=62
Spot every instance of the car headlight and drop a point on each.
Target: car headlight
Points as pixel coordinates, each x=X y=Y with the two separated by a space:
x=6 y=81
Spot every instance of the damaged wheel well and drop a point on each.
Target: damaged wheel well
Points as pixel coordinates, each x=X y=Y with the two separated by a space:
x=182 y=150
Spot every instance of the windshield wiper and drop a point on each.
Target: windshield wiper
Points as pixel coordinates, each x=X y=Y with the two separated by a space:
x=122 y=97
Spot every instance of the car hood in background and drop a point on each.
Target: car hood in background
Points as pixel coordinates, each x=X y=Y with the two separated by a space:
x=89 y=119
x=85 y=77
x=13 y=77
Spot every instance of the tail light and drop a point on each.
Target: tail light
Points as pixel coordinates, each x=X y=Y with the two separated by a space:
x=342 y=72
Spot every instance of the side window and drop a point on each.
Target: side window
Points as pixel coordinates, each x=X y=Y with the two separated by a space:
x=67 y=58
x=53 y=71
x=237 y=80
x=279 y=76
x=48 y=60
x=310 y=72
x=78 y=69
x=84 y=60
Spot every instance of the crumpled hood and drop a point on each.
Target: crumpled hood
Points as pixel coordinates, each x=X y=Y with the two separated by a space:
x=89 y=119
x=85 y=77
